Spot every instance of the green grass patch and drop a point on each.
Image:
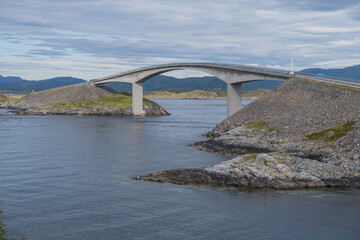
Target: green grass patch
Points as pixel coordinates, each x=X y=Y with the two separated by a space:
x=15 y=100
x=281 y=154
x=255 y=93
x=3 y=100
x=266 y=163
x=26 y=96
x=272 y=129
x=250 y=156
x=257 y=125
x=120 y=100
x=333 y=133
x=18 y=99
x=280 y=161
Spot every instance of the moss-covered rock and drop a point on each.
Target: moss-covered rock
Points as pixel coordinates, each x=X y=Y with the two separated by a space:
x=332 y=134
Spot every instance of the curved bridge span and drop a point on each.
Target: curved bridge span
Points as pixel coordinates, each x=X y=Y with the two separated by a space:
x=233 y=75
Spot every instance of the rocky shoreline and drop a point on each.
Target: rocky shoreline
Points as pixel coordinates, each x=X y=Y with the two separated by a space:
x=150 y=110
x=303 y=134
x=265 y=170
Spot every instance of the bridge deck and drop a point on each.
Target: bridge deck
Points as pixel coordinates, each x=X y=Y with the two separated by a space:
x=243 y=68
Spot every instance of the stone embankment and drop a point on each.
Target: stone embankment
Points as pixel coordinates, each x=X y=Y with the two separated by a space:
x=302 y=134
x=80 y=99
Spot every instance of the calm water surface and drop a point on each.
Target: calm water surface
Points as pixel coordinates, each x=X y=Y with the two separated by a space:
x=69 y=178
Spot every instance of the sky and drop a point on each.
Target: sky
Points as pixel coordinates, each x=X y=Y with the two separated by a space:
x=89 y=39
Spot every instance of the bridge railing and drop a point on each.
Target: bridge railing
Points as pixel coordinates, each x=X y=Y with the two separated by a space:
x=341 y=81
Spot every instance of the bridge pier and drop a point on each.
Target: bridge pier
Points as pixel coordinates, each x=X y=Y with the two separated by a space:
x=137 y=99
x=234 y=100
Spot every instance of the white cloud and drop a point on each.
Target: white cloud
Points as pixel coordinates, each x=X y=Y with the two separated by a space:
x=87 y=38
x=313 y=29
x=346 y=42
x=339 y=63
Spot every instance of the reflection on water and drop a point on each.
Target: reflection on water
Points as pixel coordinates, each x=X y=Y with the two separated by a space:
x=70 y=178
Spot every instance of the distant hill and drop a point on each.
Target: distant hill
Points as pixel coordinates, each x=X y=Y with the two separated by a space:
x=162 y=82
x=19 y=84
x=157 y=83
x=352 y=72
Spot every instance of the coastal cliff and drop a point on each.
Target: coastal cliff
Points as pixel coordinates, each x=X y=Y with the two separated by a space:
x=302 y=134
x=80 y=99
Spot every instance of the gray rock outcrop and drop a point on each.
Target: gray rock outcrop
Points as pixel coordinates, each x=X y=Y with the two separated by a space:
x=279 y=155
x=272 y=170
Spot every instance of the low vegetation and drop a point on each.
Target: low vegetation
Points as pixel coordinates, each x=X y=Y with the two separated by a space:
x=119 y=100
x=272 y=129
x=3 y=98
x=251 y=156
x=333 y=133
x=254 y=93
x=15 y=99
x=257 y=125
x=4 y=232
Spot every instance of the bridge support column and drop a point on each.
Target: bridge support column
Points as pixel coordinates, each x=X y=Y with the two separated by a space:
x=233 y=98
x=137 y=99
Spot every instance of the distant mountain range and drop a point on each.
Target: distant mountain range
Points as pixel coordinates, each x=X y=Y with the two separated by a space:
x=157 y=83
x=162 y=82
x=19 y=84
x=352 y=72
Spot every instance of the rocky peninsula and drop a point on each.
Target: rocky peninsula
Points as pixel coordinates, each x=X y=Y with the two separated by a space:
x=82 y=99
x=304 y=134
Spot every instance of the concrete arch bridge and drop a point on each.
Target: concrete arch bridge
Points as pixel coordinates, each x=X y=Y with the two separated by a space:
x=233 y=75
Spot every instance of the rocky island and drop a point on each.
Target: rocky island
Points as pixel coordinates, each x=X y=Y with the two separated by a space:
x=81 y=99
x=303 y=134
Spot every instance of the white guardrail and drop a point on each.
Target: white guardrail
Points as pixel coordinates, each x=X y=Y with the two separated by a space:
x=341 y=81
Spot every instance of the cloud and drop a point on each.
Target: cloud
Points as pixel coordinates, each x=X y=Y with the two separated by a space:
x=322 y=5
x=341 y=42
x=337 y=63
x=51 y=53
x=331 y=29
x=145 y=32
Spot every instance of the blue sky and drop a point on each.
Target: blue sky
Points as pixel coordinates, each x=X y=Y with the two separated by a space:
x=89 y=39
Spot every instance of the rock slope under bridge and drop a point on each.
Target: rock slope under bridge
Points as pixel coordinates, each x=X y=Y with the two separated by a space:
x=273 y=133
